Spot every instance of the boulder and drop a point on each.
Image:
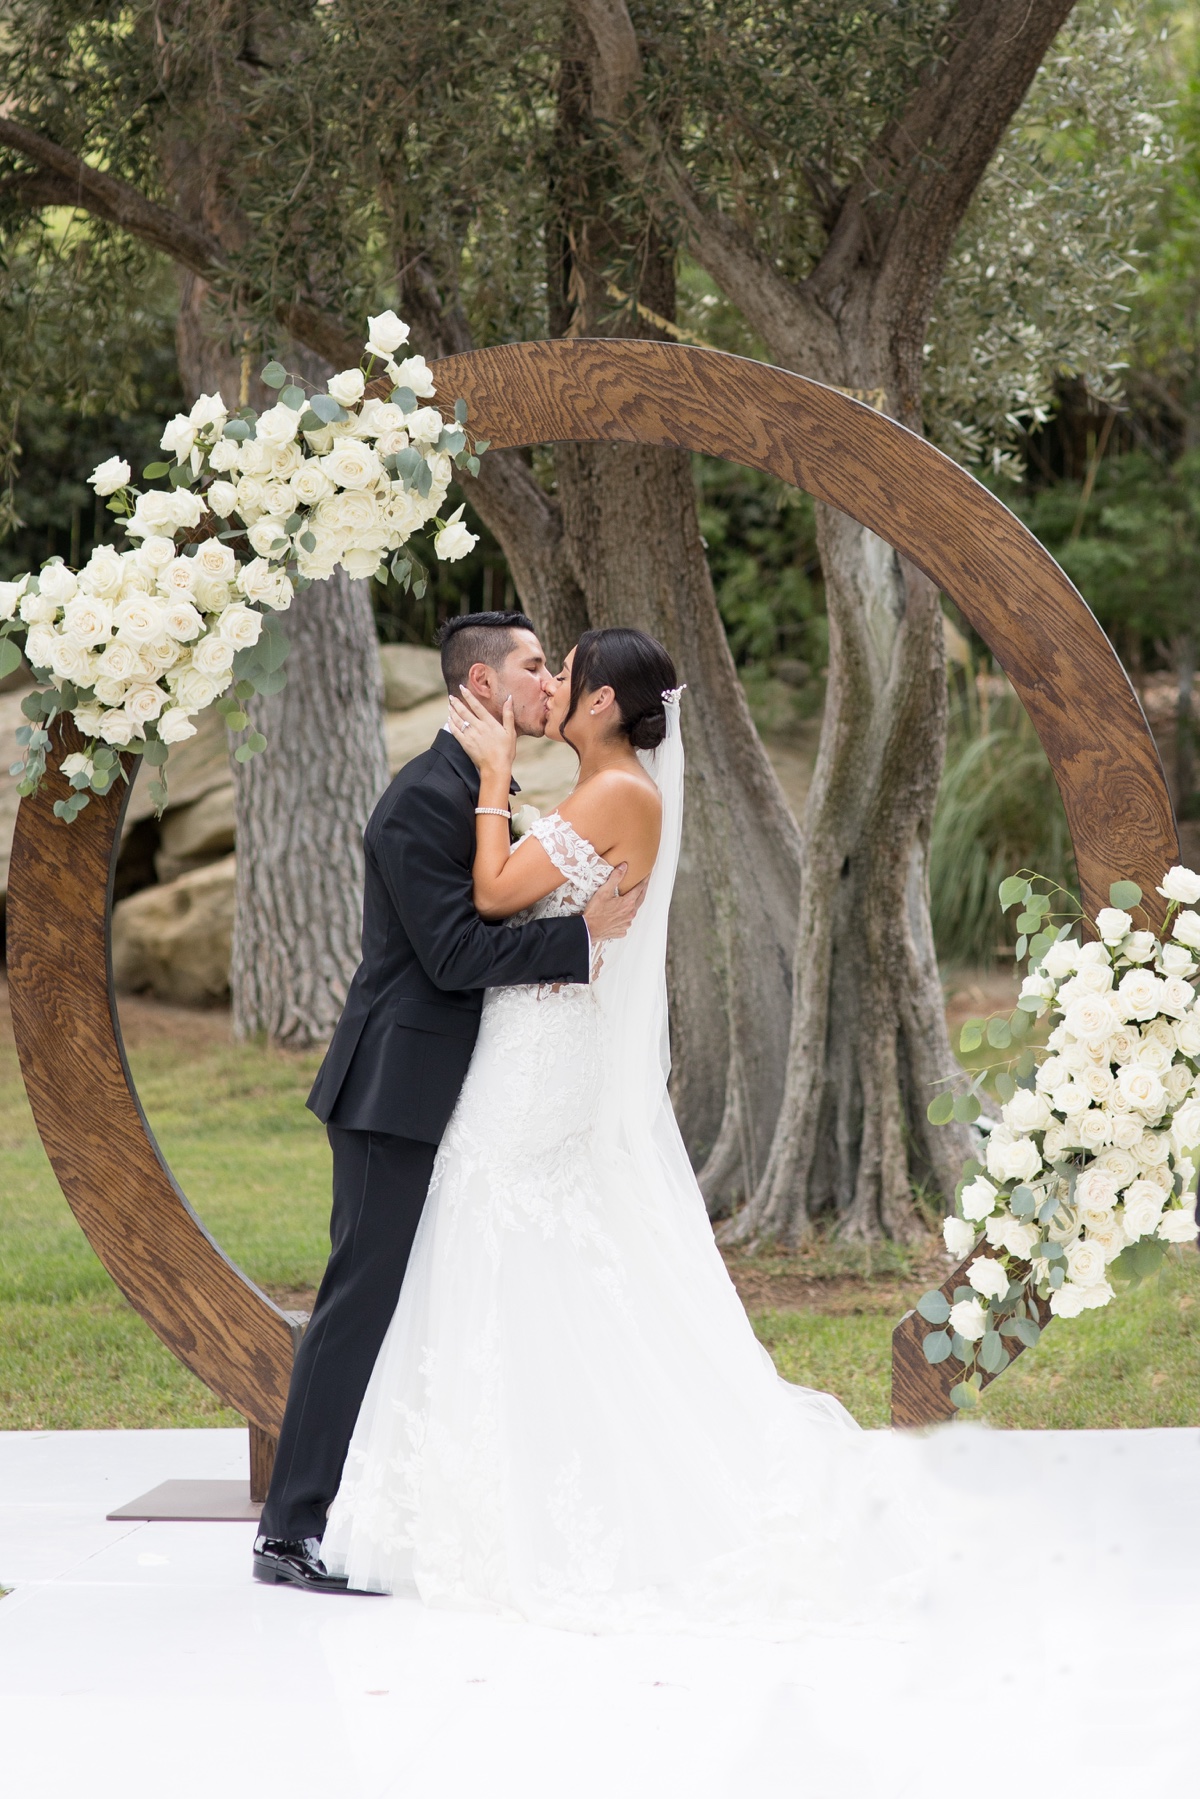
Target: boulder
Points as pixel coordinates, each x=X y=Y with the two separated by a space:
x=191 y=836
x=175 y=940
x=410 y=674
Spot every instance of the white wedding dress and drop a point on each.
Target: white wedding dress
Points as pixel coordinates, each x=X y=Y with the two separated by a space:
x=570 y=1419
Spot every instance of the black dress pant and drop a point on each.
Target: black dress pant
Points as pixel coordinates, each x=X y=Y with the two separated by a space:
x=379 y=1188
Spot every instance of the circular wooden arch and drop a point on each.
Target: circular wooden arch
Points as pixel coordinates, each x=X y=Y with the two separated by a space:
x=1010 y=589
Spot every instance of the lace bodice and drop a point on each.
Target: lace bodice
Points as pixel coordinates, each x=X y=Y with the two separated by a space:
x=583 y=870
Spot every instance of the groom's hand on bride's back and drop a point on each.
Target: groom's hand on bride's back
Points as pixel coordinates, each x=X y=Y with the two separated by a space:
x=609 y=913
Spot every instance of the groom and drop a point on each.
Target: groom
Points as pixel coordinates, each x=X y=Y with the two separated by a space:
x=398 y=1058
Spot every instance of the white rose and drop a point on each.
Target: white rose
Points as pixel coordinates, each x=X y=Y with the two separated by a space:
x=454 y=542
x=77 y=764
x=223 y=456
x=149 y=560
x=352 y=514
x=87 y=619
x=208 y=410
x=1052 y=1074
x=256 y=580
x=213 y=655
x=278 y=499
x=1117 y=1164
x=1179 y=1226
x=1140 y=946
x=1144 y=1202
x=176 y=582
x=139 y=619
x=102 y=574
x=959 y=1236
x=174 y=725
x=182 y=622
x=1140 y=992
x=286 y=460
x=1180 y=885
x=988 y=1277
x=1187 y=1033
x=1176 y=996
x=1093 y=1017
x=347 y=387
x=187 y=508
x=210 y=595
x=251 y=493
x=40 y=641
x=978 y=1198
x=1093 y=1129
x=1153 y=1053
x=222 y=498
x=216 y=560
x=1096 y=1189
x=322 y=441
x=1113 y=924
x=178 y=438
x=1011 y=1234
x=1174 y=959
x=194 y=690
x=1014 y=1159
x=117 y=727
x=403 y=514
x=1142 y=1090
x=1186 y=929
x=1086 y=1263
x=110 y=477
x=380 y=417
x=361 y=562
x=1071 y=1099
x=1124 y=1043
x=352 y=464
x=969 y=1319
x=309 y=484
x=240 y=626
x=385 y=333
x=57 y=584
x=414 y=374
x=1097 y=1083
x=1068 y=1301
x=1178 y=1081
x=1153 y=1149
x=87 y=718
x=425 y=425
x=162 y=654
x=1026 y=1111
x=277 y=427
x=10 y=595
x=1185 y=1127
x=255 y=458
x=144 y=703
x=390 y=443
x=1093 y=955
x=1060 y=959
x=70 y=660
x=1055 y=1141
x=1126 y=1130
x=268 y=538
x=279 y=597
x=117 y=661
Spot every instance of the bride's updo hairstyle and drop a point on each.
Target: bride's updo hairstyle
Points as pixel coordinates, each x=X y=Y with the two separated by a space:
x=638 y=670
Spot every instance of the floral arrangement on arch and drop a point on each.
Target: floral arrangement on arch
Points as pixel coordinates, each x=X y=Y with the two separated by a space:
x=138 y=641
x=1091 y=1174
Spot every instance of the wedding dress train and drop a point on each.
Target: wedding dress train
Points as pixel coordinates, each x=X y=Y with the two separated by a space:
x=570 y=1419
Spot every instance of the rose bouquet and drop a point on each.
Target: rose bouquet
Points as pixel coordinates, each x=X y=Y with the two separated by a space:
x=1091 y=1174
x=138 y=641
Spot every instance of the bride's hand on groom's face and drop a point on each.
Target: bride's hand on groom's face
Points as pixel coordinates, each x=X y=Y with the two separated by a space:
x=609 y=913
x=491 y=743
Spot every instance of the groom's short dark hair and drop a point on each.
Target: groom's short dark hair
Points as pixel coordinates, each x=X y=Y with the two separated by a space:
x=477 y=637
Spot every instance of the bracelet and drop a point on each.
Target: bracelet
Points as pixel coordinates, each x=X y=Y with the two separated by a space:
x=494 y=811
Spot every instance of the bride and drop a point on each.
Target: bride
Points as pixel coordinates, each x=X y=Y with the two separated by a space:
x=570 y=1419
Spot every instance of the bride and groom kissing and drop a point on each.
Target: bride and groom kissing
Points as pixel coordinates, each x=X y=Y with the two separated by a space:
x=528 y=1385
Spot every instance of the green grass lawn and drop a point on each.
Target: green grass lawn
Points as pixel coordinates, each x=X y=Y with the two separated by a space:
x=231 y=1121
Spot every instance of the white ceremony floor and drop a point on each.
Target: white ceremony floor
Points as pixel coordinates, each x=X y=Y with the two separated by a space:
x=140 y=1660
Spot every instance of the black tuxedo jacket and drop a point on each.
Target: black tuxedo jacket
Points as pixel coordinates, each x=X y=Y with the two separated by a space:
x=403 y=1044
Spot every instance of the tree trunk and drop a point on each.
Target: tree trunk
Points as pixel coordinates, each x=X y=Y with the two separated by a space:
x=629 y=515
x=868 y=1039
x=1183 y=659
x=301 y=806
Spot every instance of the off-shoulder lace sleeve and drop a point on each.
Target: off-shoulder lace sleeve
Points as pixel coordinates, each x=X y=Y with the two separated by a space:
x=573 y=856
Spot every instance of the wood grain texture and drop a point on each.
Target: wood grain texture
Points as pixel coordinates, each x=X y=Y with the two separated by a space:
x=1041 y=632
x=921 y=1390
x=88 y=1115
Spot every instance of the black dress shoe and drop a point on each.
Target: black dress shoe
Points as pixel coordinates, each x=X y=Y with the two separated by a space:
x=295 y=1562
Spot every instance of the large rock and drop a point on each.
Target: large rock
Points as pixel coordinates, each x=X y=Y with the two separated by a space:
x=175 y=940
x=410 y=674
x=194 y=835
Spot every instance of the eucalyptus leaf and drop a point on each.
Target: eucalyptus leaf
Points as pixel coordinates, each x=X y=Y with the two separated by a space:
x=1005 y=1086
x=326 y=409
x=1124 y=894
x=1021 y=1023
x=274 y=375
x=404 y=398
x=964 y=1396
x=941 y=1109
x=966 y=1108
x=154 y=471
x=154 y=752
x=933 y=1306
x=10 y=656
x=460 y=411
x=1022 y=1201
x=1012 y=889
x=1022 y=946
x=238 y=430
x=998 y=1033
x=294 y=398
x=992 y=1353
x=937 y=1346
x=970 y=1037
